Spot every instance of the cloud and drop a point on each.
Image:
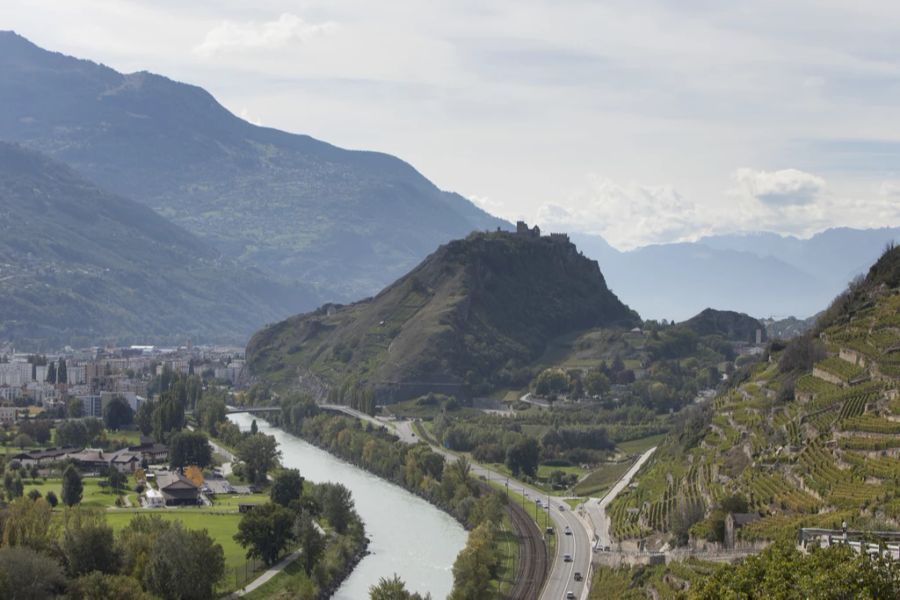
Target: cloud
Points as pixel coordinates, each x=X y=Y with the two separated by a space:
x=890 y=189
x=231 y=35
x=625 y=215
x=779 y=188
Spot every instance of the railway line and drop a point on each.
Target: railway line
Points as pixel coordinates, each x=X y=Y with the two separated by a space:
x=533 y=564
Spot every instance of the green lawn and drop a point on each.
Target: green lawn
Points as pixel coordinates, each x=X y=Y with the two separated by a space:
x=231 y=501
x=602 y=478
x=292 y=582
x=93 y=495
x=641 y=445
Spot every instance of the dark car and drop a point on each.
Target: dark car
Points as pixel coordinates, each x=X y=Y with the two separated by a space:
x=578 y=576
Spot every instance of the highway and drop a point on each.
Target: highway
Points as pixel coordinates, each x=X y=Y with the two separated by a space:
x=577 y=545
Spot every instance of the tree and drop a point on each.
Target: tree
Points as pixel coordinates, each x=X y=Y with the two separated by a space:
x=104 y=586
x=393 y=588
x=168 y=417
x=75 y=408
x=476 y=566
x=782 y=571
x=28 y=522
x=144 y=417
x=287 y=486
x=184 y=564
x=523 y=456
x=38 y=430
x=51 y=373
x=260 y=454
x=311 y=540
x=72 y=488
x=72 y=434
x=253 y=428
x=337 y=504
x=266 y=530
x=189 y=448
x=51 y=499
x=117 y=414
x=116 y=479
x=26 y=574
x=23 y=440
x=87 y=543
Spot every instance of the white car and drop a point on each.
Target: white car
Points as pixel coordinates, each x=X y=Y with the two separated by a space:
x=570 y=595
x=567 y=558
x=568 y=531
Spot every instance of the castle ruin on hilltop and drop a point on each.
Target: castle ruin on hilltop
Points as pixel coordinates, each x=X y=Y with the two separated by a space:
x=522 y=229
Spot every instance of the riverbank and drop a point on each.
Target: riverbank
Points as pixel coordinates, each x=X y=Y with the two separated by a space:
x=408 y=536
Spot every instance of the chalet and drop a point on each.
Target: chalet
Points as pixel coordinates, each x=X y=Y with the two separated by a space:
x=154 y=499
x=125 y=461
x=177 y=489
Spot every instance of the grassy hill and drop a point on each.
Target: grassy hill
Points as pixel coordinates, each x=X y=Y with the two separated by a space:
x=79 y=265
x=807 y=437
x=470 y=314
x=348 y=222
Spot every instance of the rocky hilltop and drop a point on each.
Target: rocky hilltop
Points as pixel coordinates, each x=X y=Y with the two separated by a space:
x=468 y=316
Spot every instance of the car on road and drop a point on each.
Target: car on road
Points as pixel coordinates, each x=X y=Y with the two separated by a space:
x=549 y=531
x=568 y=530
x=578 y=576
x=567 y=558
x=570 y=595
x=562 y=508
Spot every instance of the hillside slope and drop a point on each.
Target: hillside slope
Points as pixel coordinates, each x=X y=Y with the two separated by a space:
x=348 y=222
x=726 y=323
x=79 y=265
x=473 y=310
x=811 y=437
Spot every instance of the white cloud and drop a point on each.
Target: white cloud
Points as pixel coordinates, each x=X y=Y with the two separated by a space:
x=778 y=188
x=889 y=188
x=288 y=28
x=486 y=203
x=625 y=215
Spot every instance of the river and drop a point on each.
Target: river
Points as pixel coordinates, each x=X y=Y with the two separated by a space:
x=409 y=536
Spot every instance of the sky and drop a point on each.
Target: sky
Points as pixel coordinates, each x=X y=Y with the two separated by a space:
x=641 y=121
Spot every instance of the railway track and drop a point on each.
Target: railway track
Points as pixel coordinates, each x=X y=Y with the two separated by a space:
x=532 y=568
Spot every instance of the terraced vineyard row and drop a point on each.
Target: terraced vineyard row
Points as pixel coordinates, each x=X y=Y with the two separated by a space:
x=840 y=368
x=871 y=424
x=818 y=468
x=869 y=444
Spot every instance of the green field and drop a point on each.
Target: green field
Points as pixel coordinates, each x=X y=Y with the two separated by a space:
x=93 y=496
x=602 y=478
x=641 y=445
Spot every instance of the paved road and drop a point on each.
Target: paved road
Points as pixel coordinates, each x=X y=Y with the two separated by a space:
x=597 y=507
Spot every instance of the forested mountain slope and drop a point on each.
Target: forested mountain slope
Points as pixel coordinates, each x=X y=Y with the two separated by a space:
x=79 y=265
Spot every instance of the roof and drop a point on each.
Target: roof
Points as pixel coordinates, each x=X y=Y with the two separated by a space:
x=125 y=456
x=743 y=518
x=48 y=453
x=90 y=455
x=170 y=480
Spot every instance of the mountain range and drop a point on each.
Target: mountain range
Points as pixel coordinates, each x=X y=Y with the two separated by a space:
x=306 y=221
x=298 y=209
x=762 y=274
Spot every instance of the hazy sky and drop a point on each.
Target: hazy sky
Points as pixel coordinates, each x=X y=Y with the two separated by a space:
x=641 y=121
